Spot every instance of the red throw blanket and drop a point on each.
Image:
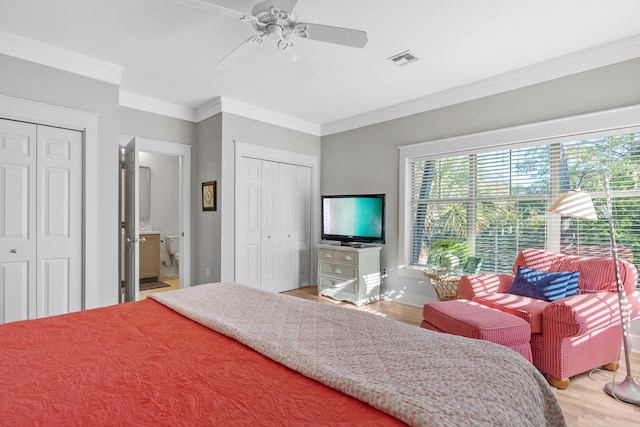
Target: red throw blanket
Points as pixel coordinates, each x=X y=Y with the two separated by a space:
x=143 y=364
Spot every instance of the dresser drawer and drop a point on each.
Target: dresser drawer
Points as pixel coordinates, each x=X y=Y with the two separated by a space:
x=336 y=287
x=326 y=255
x=338 y=270
x=347 y=257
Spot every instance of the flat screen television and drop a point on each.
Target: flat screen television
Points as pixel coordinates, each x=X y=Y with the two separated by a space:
x=353 y=219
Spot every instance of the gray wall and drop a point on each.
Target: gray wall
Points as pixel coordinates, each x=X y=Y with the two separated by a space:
x=155 y=126
x=26 y=80
x=205 y=229
x=236 y=128
x=366 y=159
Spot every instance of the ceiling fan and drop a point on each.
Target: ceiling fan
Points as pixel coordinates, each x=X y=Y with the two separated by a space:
x=274 y=19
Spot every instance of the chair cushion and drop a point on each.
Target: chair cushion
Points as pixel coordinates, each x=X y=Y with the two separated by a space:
x=529 y=309
x=542 y=285
x=472 y=320
x=596 y=274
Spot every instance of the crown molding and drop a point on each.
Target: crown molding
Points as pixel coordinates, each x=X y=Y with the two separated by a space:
x=588 y=59
x=157 y=106
x=228 y=105
x=209 y=109
x=218 y=105
x=45 y=54
x=62 y=59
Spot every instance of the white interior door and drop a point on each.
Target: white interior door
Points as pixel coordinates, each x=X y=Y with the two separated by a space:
x=272 y=224
x=248 y=234
x=59 y=221
x=41 y=221
x=17 y=220
x=303 y=225
x=279 y=257
x=132 y=227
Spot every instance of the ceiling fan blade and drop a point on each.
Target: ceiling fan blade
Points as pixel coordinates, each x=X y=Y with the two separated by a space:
x=239 y=52
x=298 y=64
x=329 y=34
x=230 y=8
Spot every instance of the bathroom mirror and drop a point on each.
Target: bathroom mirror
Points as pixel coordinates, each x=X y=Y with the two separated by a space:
x=145 y=192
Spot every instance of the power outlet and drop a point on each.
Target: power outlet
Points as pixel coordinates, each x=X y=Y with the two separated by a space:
x=384 y=271
x=207 y=273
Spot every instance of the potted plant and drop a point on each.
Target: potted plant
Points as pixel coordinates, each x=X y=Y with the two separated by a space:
x=448 y=253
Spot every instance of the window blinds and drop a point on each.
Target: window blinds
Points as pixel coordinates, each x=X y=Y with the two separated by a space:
x=497 y=201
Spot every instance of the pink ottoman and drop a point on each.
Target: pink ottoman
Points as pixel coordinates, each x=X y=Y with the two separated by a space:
x=473 y=320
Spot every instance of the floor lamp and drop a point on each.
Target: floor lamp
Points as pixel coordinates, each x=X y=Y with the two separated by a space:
x=578 y=204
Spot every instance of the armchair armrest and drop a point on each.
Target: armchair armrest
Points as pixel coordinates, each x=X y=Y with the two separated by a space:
x=581 y=313
x=474 y=285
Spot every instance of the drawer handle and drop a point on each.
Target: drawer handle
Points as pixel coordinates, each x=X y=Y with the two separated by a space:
x=337 y=270
x=327 y=255
x=347 y=257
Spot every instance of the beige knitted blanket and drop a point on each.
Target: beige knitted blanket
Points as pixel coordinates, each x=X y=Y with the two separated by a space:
x=420 y=377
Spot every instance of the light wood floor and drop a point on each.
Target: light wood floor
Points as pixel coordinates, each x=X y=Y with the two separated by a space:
x=584 y=403
x=173 y=282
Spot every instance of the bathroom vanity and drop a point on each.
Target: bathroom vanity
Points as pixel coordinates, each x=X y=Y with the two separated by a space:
x=150 y=256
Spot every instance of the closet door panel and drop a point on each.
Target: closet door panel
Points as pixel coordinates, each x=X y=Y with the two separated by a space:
x=270 y=267
x=275 y=197
x=303 y=225
x=59 y=207
x=17 y=220
x=55 y=296
x=248 y=220
x=14 y=291
x=288 y=260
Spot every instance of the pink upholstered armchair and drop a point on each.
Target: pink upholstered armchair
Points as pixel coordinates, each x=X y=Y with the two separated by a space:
x=569 y=335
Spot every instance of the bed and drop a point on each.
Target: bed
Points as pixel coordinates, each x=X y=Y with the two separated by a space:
x=227 y=354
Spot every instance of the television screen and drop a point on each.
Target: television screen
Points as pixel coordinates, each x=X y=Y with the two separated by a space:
x=353 y=218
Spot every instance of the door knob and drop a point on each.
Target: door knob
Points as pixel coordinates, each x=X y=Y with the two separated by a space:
x=13 y=251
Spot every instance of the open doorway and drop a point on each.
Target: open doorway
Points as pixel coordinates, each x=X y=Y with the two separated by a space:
x=155 y=212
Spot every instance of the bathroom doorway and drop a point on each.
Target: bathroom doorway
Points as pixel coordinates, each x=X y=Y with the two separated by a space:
x=155 y=234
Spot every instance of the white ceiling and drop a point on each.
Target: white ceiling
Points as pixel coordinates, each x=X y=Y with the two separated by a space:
x=168 y=51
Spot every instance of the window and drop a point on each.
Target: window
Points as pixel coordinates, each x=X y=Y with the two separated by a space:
x=495 y=201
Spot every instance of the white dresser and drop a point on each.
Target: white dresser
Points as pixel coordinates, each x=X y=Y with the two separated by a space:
x=349 y=274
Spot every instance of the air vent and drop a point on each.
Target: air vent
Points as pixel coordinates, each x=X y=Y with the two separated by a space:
x=403 y=58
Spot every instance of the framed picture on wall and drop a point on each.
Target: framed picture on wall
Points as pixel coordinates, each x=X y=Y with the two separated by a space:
x=209 y=196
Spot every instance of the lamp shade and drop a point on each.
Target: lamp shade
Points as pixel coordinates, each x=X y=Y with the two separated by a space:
x=576 y=204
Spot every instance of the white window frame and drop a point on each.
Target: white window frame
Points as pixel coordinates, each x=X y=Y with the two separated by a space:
x=620 y=120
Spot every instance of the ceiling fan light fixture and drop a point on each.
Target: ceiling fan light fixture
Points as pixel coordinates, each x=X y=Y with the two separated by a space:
x=274 y=32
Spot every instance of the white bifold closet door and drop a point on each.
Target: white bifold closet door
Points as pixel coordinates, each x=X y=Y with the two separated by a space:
x=273 y=217
x=40 y=221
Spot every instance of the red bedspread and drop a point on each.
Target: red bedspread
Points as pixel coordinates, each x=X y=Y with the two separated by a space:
x=143 y=364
